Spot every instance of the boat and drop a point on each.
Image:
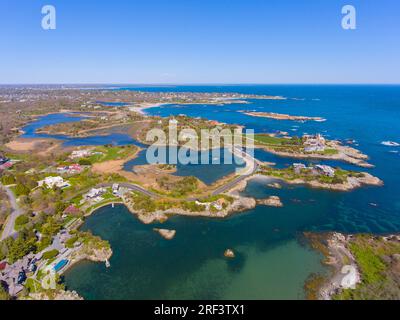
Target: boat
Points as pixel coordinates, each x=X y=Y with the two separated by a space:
x=390 y=144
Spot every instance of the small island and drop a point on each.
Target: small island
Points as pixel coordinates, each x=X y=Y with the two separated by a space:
x=310 y=147
x=165 y=233
x=272 y=201
x=322 y=176
x=279 y=116
x=229 y=253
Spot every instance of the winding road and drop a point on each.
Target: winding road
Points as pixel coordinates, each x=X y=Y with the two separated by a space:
x=131 y=186
x=8 y=230
x=252 y=165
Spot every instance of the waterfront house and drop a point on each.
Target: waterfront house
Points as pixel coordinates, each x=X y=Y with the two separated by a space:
x=298 y=167
x=325 y=170
x=76 y=154
x=115 y=189
x=94 y=193
x=72 y=169
x=314 y=143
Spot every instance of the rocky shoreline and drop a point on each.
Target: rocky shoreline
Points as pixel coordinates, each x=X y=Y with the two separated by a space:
x=346 y=154
x=351 y=183
x=359 y=264
x=239 y=204
x=272 y=201
x=165 y=233
x=344 y=272
x=279 y=116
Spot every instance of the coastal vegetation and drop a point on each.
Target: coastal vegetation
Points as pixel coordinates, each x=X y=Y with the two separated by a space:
x=289 y=174
x=280 y=116
x=4 y=294
x=376 y=261
x=144 y=204
x=179 y=188
x=378 y=258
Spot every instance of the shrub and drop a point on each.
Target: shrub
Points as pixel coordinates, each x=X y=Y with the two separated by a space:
x=21 y=220
x=8 y=179
x=71 y=241
x=22 y=190
x=85 y=162
x=50 y=254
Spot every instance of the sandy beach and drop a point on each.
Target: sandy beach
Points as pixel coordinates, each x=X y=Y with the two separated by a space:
x=144 y=106
x=40 y=146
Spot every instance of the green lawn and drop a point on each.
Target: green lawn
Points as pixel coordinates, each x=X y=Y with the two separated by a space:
x=112 y=153
x=266 y=139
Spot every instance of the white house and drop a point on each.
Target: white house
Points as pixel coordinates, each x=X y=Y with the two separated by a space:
x=94 y=193
x=325 y=170
x=51 y=182
x=80 y=154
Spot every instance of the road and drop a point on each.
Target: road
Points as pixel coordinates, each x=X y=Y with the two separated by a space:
x=252 y=165
x=16 y=212
x=130 y=186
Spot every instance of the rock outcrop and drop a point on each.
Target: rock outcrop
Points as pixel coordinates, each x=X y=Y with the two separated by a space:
x=272 y=201
x=165 y=233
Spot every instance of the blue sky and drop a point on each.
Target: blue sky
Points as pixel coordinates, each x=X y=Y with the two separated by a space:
x=200 y=41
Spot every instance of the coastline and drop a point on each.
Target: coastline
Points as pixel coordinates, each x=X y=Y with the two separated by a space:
x=281 y=116
x=345 y=154
x=338 y=258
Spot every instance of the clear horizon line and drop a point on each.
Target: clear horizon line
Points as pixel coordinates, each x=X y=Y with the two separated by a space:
x=191 y=83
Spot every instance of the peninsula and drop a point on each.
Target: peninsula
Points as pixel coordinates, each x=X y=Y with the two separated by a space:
x=280 y=116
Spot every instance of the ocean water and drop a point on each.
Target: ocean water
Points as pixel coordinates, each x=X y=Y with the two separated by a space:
x=208 y=173
x=271 y=262
x=51 y=119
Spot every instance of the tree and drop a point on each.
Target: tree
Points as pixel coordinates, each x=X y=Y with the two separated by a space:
x=85 y=162
x=3 y=293
x=50 y=254
x=21 y=220
x=7 y=179
x=22 y=190
x=20 y=247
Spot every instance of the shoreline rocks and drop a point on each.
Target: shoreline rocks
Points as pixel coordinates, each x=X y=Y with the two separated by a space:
x=345 y=153
x=229 y=253
x=279 y=116
x=345 y=273
x=351 y=183
x=56 y=296
x=165 y=233
x=272 y=201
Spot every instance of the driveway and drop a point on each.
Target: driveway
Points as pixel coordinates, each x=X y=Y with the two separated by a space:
x=16 y=212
